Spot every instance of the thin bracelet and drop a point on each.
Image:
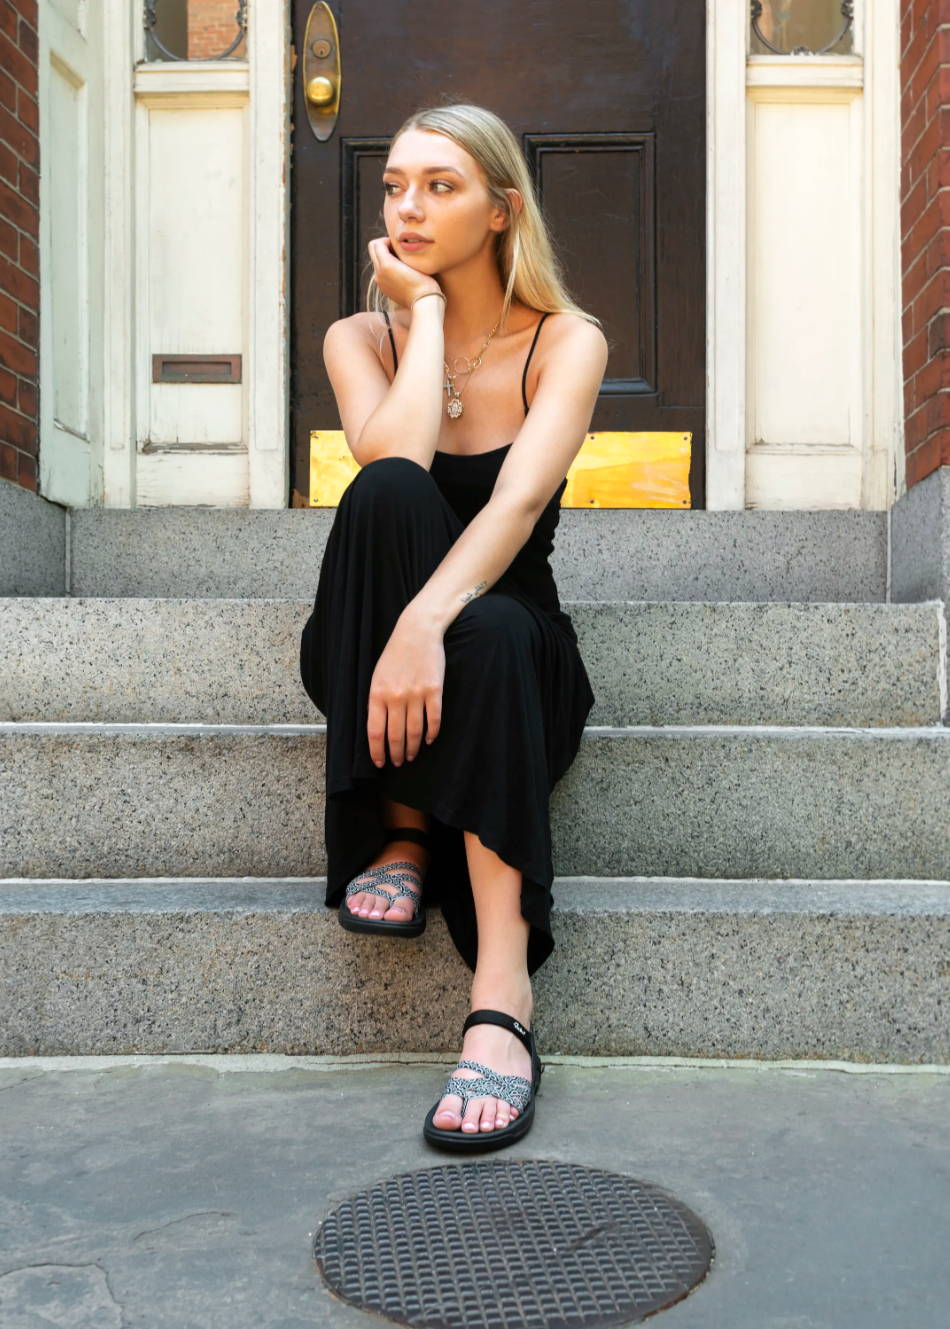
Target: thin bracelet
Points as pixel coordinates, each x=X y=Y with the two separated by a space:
x=440 y=294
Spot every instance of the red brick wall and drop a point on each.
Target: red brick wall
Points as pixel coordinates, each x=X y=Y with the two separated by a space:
x=19 y=243
x=925 y=233
x=212 y=29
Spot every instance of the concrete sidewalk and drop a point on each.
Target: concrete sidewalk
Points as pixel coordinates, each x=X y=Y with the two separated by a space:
x=185 y=1191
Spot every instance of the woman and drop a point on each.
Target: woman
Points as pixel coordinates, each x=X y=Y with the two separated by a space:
x=437 y=627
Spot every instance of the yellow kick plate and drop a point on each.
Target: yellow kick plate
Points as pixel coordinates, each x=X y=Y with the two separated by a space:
x=612 y=470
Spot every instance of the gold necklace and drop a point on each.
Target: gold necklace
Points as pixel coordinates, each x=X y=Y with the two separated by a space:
x=454 y=407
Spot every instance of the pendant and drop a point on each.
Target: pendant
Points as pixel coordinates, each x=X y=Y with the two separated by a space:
x=454 y=407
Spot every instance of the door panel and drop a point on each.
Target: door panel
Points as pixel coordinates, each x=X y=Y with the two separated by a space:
x=608 y=100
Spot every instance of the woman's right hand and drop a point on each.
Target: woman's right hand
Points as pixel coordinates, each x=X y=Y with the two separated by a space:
x=396 y=279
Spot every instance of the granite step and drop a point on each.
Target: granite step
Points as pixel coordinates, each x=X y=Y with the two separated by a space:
x=757 y=968
x=236 y=661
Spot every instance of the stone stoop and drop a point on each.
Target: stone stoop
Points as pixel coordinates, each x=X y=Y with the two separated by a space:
x=752 y=847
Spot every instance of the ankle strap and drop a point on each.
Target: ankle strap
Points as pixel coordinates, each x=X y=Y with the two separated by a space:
x=486 y=1016
x=409 y=833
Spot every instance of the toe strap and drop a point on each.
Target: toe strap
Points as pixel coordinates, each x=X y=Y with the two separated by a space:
x=385 y=874
x=513 y=1089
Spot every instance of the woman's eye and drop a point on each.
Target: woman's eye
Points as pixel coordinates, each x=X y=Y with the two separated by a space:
x=389 y=185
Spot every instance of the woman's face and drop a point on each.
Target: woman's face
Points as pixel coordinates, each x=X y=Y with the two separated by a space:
x=433 y=187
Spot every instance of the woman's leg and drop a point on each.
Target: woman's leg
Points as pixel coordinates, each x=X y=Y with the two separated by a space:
x=501 y=982
x=374 y=906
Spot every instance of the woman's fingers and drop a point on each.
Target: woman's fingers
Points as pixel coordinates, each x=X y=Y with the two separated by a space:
x=415 y=719
x=376 y=728
x=403 y=724
x=433 y=714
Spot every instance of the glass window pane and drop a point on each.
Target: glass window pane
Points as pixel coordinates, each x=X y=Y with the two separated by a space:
x=195 y=29
x=788 y=26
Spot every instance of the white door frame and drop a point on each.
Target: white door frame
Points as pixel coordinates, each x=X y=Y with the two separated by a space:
x=730 y=73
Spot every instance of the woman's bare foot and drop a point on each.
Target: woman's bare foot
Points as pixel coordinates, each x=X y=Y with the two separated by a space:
x=496 y=1047
x=374 y=906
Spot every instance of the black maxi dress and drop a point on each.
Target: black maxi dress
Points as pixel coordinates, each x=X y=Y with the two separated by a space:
x=515 y=695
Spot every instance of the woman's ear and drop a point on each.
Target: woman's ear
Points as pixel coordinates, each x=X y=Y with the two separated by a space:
x=516 y=200
x=501 y=221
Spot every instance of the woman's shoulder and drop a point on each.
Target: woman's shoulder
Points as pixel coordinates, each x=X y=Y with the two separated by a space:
x=567 y=334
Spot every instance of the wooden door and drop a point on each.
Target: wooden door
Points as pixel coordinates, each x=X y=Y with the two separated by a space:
x=609 y=101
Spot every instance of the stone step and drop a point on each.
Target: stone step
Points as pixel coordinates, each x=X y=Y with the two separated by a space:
x=90 y=799
x=642 y=966
x=601 y=554
x=235 y=661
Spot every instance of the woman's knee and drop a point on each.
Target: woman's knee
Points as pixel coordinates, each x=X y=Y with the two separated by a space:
x=493 y=617
x=392 y=475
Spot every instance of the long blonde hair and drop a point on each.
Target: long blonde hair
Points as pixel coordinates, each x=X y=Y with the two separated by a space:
x=527 y=264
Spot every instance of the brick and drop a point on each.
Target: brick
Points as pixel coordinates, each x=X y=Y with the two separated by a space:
x=29 y=326
x=28 y=397
x=924 y=150
x=17 y=209
x=9 y=462
x=16 y=429
x=913 y=205
x=916 y=352
x=8 y=387
x=19 y=137
x=29 y=255
x=8 y=313
x=29 y=184
x=17 y=65
x=14 y=355
x=9 y=19
x=9 y=165
x=28 y=41
x=28 y=109
x=934 y=296
x=19 y=284
x=26 y=9
x=931 y=454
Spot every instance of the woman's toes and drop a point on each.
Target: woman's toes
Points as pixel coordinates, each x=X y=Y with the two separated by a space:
x=472 y=1117
x=447 y=1116
x=489 y=1113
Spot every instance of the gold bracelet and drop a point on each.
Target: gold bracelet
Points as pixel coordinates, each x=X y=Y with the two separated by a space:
x=440 y=294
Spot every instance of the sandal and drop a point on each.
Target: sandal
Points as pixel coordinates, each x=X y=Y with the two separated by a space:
x=514 y=1089
x=396 y=874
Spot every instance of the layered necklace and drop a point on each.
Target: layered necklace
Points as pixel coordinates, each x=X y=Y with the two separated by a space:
x=454 y=407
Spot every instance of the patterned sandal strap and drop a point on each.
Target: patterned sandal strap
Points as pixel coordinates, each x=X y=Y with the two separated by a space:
x=514 y=1089
x=381 y=874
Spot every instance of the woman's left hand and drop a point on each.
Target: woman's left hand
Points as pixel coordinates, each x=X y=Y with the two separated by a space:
x=405 y=693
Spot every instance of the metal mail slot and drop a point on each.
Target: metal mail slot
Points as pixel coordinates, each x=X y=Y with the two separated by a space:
x=196 y=369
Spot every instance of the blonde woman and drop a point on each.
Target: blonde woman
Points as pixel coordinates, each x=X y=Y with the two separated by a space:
x=450 y=678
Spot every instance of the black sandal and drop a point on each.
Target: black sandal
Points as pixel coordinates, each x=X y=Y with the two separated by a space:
x=514 y=1089
x=396 y=874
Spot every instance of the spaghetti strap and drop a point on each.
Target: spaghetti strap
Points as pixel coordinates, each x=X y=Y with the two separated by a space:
x=392 y=340
x=524 y=376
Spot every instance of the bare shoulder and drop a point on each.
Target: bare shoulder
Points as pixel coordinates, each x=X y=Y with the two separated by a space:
x=361 y=326
x=571 y=334
x=364 y=329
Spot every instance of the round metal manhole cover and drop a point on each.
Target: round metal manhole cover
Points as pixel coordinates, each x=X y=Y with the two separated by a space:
x=521 y=1244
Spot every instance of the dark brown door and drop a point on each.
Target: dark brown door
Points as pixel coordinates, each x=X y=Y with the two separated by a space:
x=609 y=101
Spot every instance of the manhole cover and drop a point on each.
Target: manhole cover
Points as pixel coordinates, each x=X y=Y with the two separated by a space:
x=522 y=1244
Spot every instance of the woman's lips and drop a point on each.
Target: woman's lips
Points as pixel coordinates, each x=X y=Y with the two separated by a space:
x=414 y=244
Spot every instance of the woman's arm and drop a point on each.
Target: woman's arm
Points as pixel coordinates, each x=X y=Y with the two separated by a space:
x=406 y=422
x=402 y=418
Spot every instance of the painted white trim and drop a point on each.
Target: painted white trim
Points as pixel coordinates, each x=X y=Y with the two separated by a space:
x=262 y=84
x=885 y=475
x=268 y=335
x=727 y=24
x=118 y=341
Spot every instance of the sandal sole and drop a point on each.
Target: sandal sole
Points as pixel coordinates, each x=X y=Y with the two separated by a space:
x=463 y=1142
x=410 y=927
